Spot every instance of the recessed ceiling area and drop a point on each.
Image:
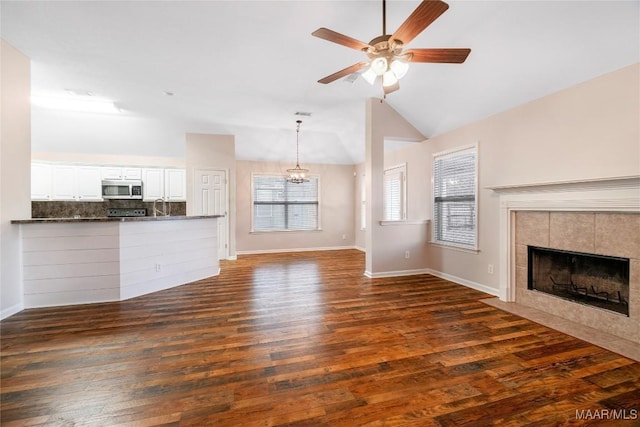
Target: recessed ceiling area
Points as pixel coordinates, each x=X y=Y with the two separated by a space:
x=246 y=67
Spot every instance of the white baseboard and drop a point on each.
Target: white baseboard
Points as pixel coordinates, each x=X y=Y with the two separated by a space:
x=277 y=251
x=10 y=311
x=468 y=283
x=397 y=273
x=361 y=249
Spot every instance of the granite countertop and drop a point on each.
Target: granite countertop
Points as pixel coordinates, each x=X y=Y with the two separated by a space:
x=112 y=219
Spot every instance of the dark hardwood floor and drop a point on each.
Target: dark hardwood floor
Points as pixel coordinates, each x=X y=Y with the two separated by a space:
x=305 y=339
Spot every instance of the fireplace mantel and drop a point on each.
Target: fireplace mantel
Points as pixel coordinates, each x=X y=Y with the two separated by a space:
x=615 y=194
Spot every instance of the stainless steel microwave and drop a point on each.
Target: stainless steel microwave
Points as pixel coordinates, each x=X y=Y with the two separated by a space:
x=121 y=189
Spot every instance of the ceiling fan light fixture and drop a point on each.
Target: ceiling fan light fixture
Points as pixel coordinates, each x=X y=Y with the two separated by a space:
x=369 y=76
x=389 y=79
x=399 y=68
x=379 y=66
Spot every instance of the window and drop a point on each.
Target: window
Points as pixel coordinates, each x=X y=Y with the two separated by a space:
x=395 y=205
x=363 y=202
x=454 y=198
x=281 y=205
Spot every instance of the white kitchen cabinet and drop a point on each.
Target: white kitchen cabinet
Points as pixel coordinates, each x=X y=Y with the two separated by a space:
x=152 y=184
x=72 y=182
x=64 y=182
x=165 y=184
x=41 y=181
x=175 y=185
x=117 y=172
x=132 y=173
x=88 y=180
x=111 y=172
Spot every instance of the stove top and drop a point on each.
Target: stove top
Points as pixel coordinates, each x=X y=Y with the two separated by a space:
x=126 y=212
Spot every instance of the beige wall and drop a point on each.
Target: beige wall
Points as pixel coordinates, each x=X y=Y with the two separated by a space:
x=15 y=171
x=207 y=151
x=386 y=244
x=360 y=232
x=336 y=202
x=588 y=131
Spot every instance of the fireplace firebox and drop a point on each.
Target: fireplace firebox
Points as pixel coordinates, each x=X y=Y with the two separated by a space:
x=595 y=280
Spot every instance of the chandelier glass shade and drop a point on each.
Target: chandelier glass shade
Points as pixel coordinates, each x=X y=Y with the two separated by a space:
x=297 y=175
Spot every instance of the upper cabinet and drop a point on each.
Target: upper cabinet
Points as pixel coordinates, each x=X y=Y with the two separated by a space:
x=166 y=184
x=152 y=184
x=88 y=183
x=58 y=181
x=41 y=181
x=116 y=173
x=175 y=185
x=72 y=182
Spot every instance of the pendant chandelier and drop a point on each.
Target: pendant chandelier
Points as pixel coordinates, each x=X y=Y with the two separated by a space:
x=297 y=175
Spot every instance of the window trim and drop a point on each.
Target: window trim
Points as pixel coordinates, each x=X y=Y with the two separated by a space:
x=363 y=202
x=434 y=241
x=402 y=167
x=277 y=175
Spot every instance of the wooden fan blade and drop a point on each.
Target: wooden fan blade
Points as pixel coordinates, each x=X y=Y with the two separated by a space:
x=427 y=12
x=342 y=73
x=392 y=88
x=332 y=36
x=450 y=56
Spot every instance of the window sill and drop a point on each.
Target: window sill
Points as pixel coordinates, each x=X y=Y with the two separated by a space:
x=283 y=231
x=406 y=222
x=455 y=247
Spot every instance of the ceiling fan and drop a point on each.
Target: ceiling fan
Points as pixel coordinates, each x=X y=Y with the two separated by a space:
x=387 y=58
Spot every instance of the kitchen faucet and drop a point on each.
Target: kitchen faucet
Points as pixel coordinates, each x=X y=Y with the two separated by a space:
x=164 y=208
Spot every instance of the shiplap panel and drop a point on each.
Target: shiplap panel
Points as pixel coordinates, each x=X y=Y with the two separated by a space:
x=45 y=257
x=164 y=234
x=64 y=229
x=76 y=284
x=167 y=282
x=72 y=297
x=74 y=263
x=69 y=242
x=54 y=271
x=163 y=258
x=155 y=258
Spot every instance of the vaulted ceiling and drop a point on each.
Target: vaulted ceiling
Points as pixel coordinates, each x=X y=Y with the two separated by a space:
x=246 y=67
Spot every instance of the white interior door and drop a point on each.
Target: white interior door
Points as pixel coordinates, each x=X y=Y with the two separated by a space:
x=210 y=196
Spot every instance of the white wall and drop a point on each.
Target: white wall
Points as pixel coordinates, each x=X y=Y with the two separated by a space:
x=588 y=131
x=108 y=159
x=115 y=134
x=15 y=171
x=336 y=203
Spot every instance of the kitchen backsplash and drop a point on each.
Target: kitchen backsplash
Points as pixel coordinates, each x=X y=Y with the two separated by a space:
x=70 y=209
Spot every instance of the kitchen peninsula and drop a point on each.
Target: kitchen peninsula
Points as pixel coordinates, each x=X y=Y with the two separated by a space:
x=86 y=260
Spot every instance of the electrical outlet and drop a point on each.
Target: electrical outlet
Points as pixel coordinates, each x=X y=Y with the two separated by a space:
x=158 y=268
x=344 y=237
x=407 y=254
x=490 y=269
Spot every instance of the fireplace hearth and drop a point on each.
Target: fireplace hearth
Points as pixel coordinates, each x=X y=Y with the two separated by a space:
x=590 y=279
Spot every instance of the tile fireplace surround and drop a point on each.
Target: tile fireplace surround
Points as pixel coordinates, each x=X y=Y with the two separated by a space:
x=597 y=217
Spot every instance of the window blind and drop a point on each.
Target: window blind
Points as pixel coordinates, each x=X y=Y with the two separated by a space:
x=281 y=205
x=454 y=204
x=394 y=194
